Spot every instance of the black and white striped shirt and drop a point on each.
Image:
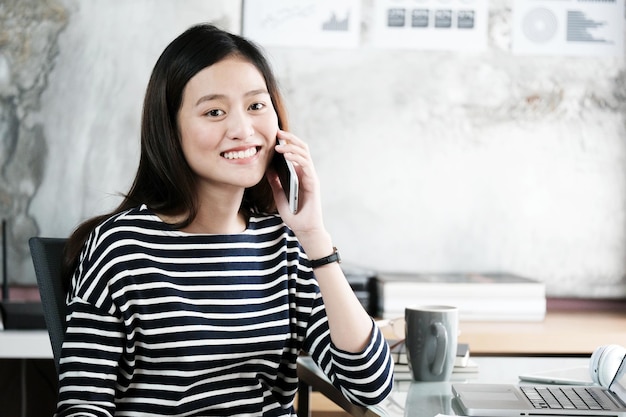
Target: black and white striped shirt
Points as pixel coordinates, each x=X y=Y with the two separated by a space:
x=167 y=323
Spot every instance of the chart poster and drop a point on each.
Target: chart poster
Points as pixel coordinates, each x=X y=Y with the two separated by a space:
x=569 y=27
x=431 y=24
x=309 y=23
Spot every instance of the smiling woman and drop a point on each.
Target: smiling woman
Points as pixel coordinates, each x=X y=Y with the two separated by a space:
x=197 y=294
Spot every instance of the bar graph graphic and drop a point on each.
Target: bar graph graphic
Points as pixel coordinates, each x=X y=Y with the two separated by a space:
x=336 y=23
x=580 y=27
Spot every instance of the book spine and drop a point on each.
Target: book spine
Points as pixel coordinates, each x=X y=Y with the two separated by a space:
x=517 y=304
x=404 y=289
x=500 y=305
x=502 y=316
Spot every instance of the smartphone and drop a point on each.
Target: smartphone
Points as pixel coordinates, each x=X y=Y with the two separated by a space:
x=288 y=179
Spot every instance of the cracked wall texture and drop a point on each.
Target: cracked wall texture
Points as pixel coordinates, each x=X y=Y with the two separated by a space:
x=429 y=160
x=29 y=30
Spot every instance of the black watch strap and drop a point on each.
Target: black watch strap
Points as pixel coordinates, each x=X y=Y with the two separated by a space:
x=333 y=257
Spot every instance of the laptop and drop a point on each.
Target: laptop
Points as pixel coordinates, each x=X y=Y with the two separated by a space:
x=509 y=400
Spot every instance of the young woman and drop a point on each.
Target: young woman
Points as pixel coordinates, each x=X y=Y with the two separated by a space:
x=197 y=294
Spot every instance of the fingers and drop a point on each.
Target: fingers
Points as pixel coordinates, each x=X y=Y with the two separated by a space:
x=294 y=149
x=290 y=138
x=309 y=206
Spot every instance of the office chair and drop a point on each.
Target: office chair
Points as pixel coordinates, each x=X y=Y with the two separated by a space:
x=47 y=255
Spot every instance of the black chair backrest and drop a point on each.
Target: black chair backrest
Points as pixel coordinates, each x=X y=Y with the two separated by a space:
x=47 y=254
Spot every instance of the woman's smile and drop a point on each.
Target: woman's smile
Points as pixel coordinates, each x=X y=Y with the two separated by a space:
x=243 y=155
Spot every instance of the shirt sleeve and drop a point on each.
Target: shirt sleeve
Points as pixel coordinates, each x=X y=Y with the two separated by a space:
x=89 y=362
x=366 y=377
x=94 y=341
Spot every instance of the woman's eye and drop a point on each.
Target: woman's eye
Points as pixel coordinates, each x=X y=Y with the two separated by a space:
x=257 y=106
x=215 y=113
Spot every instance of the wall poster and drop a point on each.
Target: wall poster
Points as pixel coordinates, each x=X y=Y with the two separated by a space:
x=312 y=23
x=431 y=24
x=569 y=27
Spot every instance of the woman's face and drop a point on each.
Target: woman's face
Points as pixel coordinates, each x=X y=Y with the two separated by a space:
x=228 y=125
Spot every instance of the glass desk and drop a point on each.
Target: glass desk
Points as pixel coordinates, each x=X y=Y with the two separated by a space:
x=427 y=399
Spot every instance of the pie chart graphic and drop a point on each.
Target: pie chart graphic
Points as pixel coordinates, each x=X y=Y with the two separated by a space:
x=539 y=25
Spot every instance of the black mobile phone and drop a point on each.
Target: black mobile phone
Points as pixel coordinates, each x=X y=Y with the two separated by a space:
x=288 y=179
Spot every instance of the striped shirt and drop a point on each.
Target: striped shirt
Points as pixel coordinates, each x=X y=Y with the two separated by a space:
x=166 y=323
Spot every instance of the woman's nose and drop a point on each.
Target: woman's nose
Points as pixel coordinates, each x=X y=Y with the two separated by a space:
x=239 y=125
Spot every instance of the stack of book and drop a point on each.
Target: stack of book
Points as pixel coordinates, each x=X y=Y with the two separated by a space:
x=462 y=363
x=479 y=297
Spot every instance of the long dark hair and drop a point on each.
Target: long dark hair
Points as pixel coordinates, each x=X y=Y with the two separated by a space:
x=164 y=180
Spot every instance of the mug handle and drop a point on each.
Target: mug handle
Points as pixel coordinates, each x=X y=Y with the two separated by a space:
x=441 y=339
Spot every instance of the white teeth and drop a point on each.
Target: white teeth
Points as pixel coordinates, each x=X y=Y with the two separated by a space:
x=240 y=154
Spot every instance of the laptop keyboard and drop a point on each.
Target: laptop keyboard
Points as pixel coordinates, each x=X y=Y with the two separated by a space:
x=568 y=398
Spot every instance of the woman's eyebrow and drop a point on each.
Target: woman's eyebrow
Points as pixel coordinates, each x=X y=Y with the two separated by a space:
x=250 y=93
x=257 y=92
x=209 y=97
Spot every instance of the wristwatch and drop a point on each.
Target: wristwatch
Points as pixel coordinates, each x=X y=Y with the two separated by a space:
x=333 y=257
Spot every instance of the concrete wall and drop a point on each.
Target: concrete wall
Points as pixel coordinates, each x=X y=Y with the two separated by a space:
x=429 y=160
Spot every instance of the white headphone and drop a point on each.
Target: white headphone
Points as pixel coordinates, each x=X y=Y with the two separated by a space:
x=605 y=362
